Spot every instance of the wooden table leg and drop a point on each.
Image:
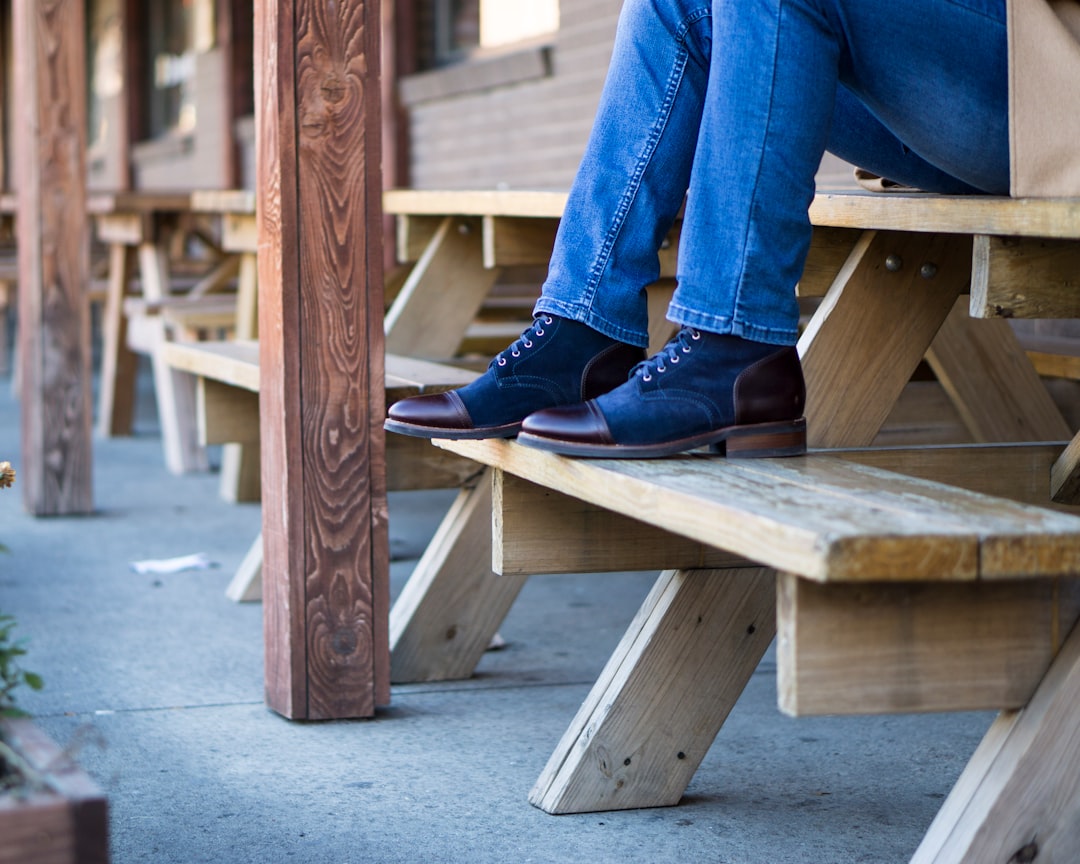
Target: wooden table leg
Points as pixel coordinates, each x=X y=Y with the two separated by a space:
x=664 y=694
x=1018 y=799
x=240 y=463
x=453 y=603
x=116 y=388
x=174 y=390
x=989 y=378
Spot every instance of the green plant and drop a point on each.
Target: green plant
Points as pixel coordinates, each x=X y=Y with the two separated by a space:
x=12 y=675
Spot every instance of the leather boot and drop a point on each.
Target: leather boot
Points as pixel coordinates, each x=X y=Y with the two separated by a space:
x=556 y=361
x=743 y=399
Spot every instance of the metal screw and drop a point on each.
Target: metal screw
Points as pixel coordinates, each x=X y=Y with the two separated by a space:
x=928 y=270
x=893 y=263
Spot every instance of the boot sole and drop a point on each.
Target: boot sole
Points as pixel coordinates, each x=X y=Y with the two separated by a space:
x=508 y=430
x=757 y=441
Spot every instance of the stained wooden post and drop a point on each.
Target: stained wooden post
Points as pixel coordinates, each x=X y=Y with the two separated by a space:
x=54 y=329
x=326 y=556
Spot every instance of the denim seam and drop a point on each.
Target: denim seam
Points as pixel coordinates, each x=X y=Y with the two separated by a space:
x=736 y=312
x=645 y=159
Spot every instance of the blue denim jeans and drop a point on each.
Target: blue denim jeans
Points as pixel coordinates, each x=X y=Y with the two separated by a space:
x=730 y=105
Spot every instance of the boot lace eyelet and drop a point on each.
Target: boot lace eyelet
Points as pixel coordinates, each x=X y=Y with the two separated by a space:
x=695 y=335
x=661 y=369
x=526 y=343
x=515 y=353
x=502 y=361
x=674 y=359
x=539 y=331
x=646 y=377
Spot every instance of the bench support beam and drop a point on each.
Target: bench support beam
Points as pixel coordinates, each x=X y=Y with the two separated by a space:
x=453 y=604
x=1018 y=799
x=667 y=689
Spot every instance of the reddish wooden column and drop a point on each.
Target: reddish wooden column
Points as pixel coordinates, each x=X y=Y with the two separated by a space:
x=326 y=557
x=54 y=330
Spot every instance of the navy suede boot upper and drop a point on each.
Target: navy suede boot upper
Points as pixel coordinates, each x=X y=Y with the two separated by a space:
x=702 y=388
x=556 y=361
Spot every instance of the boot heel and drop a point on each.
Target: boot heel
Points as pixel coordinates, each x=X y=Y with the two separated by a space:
x=764 y=440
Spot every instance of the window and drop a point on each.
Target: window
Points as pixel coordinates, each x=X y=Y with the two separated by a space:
x=458 y=29
x=178 y=31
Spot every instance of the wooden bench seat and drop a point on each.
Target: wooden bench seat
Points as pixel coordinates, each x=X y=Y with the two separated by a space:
x=227 y=410
x=227 y=370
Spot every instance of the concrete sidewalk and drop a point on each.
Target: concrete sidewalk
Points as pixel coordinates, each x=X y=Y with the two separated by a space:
x=157 y=680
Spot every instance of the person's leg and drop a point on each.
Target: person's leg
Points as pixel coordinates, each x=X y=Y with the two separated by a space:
x=633 y=176
x=591 y=323
x=731 y=378
x=933 y=71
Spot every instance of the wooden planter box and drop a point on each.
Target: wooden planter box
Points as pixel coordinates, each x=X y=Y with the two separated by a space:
x=66 y=823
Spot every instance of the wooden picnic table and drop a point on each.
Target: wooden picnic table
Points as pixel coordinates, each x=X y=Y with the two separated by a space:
x=897 y=579
x=138 y=228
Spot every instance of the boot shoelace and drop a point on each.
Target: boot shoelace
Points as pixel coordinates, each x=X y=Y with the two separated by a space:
x=669 y=355
x=536 y=329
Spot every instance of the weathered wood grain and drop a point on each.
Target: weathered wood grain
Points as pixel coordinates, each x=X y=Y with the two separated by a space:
x=1022 y=277
x=990 y=380
x=892 y=648
x=879 y=317
x=664 y=693
x=822 y=517
x=54 y=257
x=326 y=591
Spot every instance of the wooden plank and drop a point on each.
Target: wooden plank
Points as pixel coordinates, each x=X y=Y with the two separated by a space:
x=1020 y=277
x=990 y=380
x=1055 y=365
x=226 y=414
x=474 y=202
x=69 y=822
x=1065 y=475
x=829 y=249
x=879 y=317
x=453 y=603
x=515 y=241
x=54 y=259
x=413 y=234
x=1029 y=217
x=1018 y=799
x=119 y=365
x=819 y=516
x=1017 y=471
x=232 y=362
x=541 y=530
x=412 y=463
x=326 y=571
x=141 y=201
x=664 y=694
x=246 y=584
x=893 y=648
x=949 y=214
x=174 y=390
x=223 y=201
x=442 y=295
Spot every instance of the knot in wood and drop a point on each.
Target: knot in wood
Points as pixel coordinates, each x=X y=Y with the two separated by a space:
x=343 y=641
x=333 y=89
x=1025 y=854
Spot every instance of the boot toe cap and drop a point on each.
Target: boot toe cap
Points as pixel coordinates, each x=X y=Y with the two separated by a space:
x=431 y=411
x=582 y=423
